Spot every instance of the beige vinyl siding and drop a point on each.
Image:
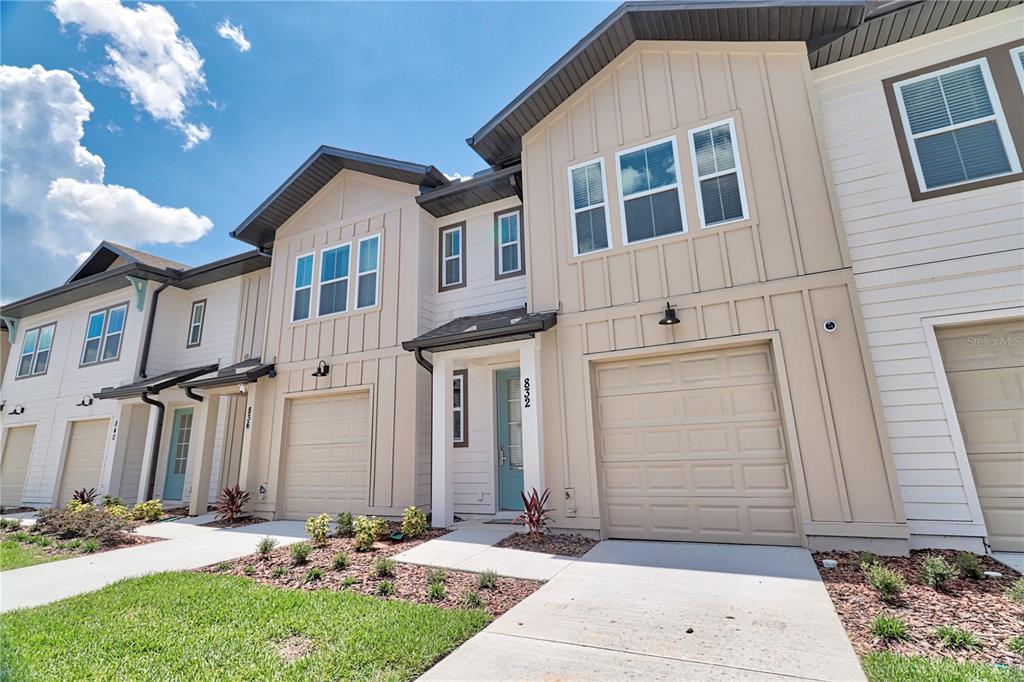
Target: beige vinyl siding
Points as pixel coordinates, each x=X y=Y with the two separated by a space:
x=16 y=454
x=86 y=445
x=919 y=261
x=134 y=453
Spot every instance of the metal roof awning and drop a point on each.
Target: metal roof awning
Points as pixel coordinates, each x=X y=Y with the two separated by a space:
x=245 y=372
x=155 y=384
x=482 y=330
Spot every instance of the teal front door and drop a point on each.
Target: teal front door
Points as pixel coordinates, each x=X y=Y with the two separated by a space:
x=510 y=439
x=177 y=456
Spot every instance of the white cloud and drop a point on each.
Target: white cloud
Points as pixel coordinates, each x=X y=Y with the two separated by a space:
x=161 y=70
x=235 y=34
x=55 y=203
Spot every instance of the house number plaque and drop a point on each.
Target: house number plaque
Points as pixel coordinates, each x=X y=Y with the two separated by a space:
x=526 y=392
x=248 y=417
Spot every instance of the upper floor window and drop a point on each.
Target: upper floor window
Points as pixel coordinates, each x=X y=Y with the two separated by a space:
x=460 y=417
x=955 y=128
x=716 y=174
x=1017 y=57
x=590 y=228
x=103 y=334
x=195 y=324
x=303 y=293
x=508 y=244
x=35 y=351
x=368 y=266
x=650 y=195
x=452 y=257
x=334 y=268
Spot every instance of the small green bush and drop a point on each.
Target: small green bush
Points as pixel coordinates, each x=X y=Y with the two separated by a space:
x=317 y=528
x=367 y=531
x=969 y=566
x=414 y=522
x=385 y=588
x=19 y=536
x=1016 y=645
x=437 y=575
x=889 y=628
x=340 y=561
x=935 y=571
x=10 y=524
x=487 y=580
x=119 y=511
x=300 y=552
x=278 y=572
x=40 y=540
x=90 y=546
x=75 y=504
x=344 y=529
x=384 y=567
x=436 y=591
x=111 y=501
x=888 y=583
x=1016 y=591
x=73 y=544
x=472 y=600
x=222 y=566
x=149 y=511
x=266 y=545
x=314 y=574
x=867 y=559
x=956 y=638
x=348 y=581
x=249 y=570
x=86 y=522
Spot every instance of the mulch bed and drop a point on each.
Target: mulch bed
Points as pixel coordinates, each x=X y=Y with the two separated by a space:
x=979 y=606
x=566 y=544
x=16 y=510
x=237 y=523
x=409 y=580
x=127 y=539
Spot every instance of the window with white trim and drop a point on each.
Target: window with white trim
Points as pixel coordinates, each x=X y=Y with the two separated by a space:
x=460 y=422
x=335 y=263
x=716 y=173
x=1017 y=57
x=195 y=325
x=368 y=265
x=590 y=225
x=650 y=196
x=302 y=295
x=35 y=351
x=452 y=260
x=955 y=127
x=103 y=334
x=509 y=244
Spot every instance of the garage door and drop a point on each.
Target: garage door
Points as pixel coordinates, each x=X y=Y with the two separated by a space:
x=692 y=448
x=84 y=459
x=327 y=458
x=17 y=449
x=985 y=368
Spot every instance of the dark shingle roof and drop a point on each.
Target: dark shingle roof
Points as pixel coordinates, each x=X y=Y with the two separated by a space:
x=153 y=385
x=484 y=329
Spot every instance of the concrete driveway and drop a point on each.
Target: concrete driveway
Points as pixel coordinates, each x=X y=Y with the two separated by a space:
x=667 y=611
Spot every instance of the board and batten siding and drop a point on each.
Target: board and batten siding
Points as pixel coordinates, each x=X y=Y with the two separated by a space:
x=775 y=276
x=920 y=264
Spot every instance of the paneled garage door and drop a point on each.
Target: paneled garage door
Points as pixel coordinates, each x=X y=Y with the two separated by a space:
x=692 y=448
x=85 y=457
x=14 y=466
x=327 y=457
x=985 y=368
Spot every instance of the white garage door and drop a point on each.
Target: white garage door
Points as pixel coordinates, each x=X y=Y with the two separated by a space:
x=985 y=368
x=84 y=459
x=327 y=457
x=692 y=448
x=17 y=449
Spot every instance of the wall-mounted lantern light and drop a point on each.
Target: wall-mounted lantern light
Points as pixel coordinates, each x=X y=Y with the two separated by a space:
x=18 y=409
x=670 y=315
x=86 y=401
x=322 y=369
x=243 y=389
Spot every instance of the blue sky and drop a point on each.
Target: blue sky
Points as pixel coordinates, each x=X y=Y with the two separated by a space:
x=406 y=80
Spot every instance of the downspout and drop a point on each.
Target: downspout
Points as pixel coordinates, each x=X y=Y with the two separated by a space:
x=155 y=454
x=188 y=391
x=424 y=363
x=149 y=330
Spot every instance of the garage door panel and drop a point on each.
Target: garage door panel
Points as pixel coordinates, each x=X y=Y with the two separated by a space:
x=702 y=478
x=726 y=440
x=705 y=520
x=84 y=457
x=983 y=346
x=993 y=431
x=14 y=466
x=992 y=389
x=998 y=474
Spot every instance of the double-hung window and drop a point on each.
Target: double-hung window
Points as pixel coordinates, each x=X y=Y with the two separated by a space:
x=649 y=189
x=103 y=334
x=35 y=351
x=508 y=243
x=303 y=292
x=452 y=257
x=716 y=174
x=1017 y=57
x=460 y=417
x=954 y=126
x=368 y=266
x=590 y=223
x=334 y=268
x=195 y=324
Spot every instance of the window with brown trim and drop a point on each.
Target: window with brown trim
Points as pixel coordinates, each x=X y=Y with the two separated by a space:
x=195 y=323
x=451 y=257
x=960 y=124
x=509 y=260
x=460 y=411
x=36 y=345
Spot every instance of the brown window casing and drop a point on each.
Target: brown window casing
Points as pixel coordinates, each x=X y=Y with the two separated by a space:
x=103 y=337
x=498 y=274
x=35 y=352
x=191 y=322
x=441 y=286
x=1007 y=90
x=464 y=374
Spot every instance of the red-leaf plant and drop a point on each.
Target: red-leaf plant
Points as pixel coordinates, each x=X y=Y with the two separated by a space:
x=85 y=496
x=230 y=503
x=535 y=515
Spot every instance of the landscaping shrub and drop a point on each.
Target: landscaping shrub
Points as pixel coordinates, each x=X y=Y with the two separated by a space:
x=367 y=531
x=472 y=600
x=487 y=580
x=120 y=511
x=414 y=522
x=935 y=571
x=278 y=572
x=111 y=501
x=231 y=503
x=85 y=496
x=435 y=591
x=19 y=536
x=385 y=588
x=90 y=546
x=314 y=574
x=437 y=575
x=1016 y=591
x=300 y=552
x=1016 y=645
x=222 y=566
x=867 y=559
x=384 y=567
x=344 y=529
x=888 y=583
x=74 y=505
x=969 y=566
x=266 y=545
x=889 y=628
x=956 y=638
x=348 y=581
x=535 y=515
x=10 y=524
x=87 y=522
x=249 y=570
x=149 y=511
x=73 y=544
x=318 y=528
x=340 y=561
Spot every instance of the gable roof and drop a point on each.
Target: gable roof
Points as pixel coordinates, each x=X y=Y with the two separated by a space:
x=832 y=29
x=104 y=255
x=319 y=169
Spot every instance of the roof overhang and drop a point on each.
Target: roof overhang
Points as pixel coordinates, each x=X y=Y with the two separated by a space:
x=245 y=372
x=153 y=385
x=82 y=289
x=225 y=268
x=482 y=188
x=483 y=330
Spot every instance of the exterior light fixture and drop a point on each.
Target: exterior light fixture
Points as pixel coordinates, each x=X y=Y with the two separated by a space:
x=670 y=315
x=18 y=409
x=322 y=369
x=243 y=389
x=86 y=401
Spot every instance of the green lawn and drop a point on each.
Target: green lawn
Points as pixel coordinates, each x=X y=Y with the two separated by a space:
x=14 y=554
x=175 y=626
x=887 y=667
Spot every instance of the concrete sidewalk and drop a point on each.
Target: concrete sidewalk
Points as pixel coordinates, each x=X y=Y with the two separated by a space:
x=185 y=545
x=667 y=611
